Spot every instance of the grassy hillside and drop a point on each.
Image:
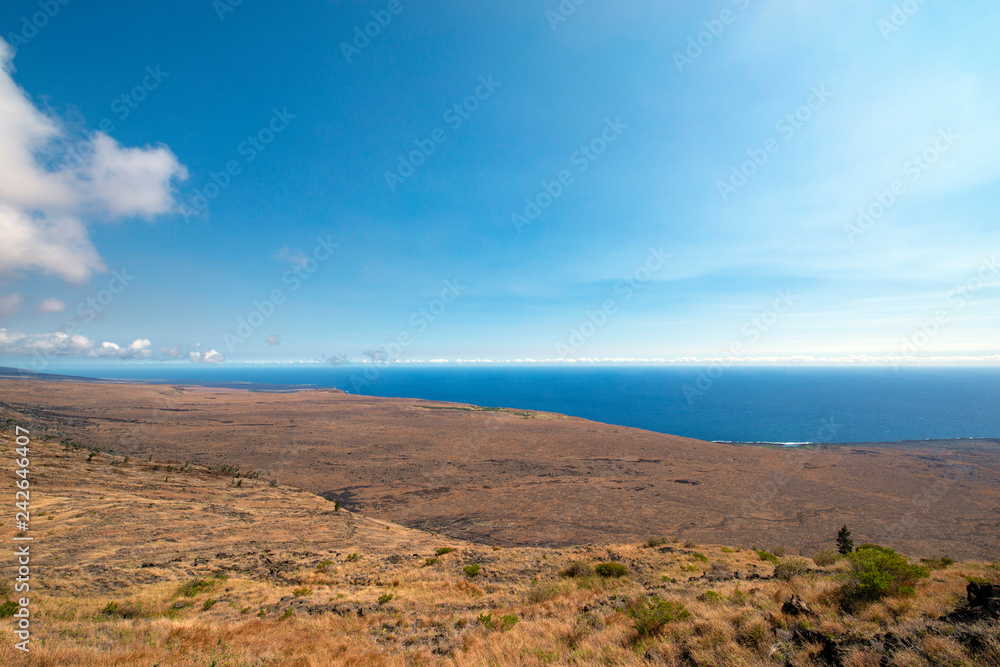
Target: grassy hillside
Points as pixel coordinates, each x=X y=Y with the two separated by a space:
x=150 y=562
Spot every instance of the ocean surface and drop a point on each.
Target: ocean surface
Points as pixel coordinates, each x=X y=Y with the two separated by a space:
x=779 y=405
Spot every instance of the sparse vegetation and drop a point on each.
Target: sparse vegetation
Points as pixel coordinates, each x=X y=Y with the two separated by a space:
x=878 y=572
x=790 y=569
x=577 y=568
x=826 y=558
x=384 y=598
x=444 y=550
x=649 y=616
x=611 y=570
x=656 y=542
x=471 y=570
x=302 y=592
x=768 y=556
x=192 y=588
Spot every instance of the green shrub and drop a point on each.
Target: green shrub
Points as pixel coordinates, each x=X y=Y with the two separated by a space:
x=656 y=542
x=471 y=570
x=208 y=604
x=577 y=568
x=195 y=586
x=385 y=597
x=937 y=563
x=793 y=568
x=324 y=565
x=353 y=558
x=444 y=550
x=429 y=561
x=507 y=621
x=768 y=556
x=711 y=596
x=702 y=557
x=824 y=558
x=8 y=608
x=611 y=570
x=649 y=616
x=540 y=591
x=726 y=550
x=302 y=592
x=877 y=572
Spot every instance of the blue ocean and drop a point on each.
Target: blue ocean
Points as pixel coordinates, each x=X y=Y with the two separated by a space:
x=778 y=405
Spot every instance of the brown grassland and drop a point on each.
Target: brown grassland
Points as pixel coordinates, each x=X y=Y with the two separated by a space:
x=137 y=561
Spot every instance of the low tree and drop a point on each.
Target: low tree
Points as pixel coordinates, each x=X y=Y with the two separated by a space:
x=845 y=544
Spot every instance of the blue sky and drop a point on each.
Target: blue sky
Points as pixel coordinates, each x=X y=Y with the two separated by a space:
x=764 y=181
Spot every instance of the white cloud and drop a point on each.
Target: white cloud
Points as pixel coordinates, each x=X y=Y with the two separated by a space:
x=9 y=303
x=273 y=340
x=51 y=306
x=210 y=357
x=43 y=210
x=60 y=344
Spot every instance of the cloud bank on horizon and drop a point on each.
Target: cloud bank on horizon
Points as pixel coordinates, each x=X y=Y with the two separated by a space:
x=734 y=182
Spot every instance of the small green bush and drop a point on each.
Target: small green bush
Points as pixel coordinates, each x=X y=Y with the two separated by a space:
x=877 y=572
x=649 y=616
x=698 y=556
x=444 y=550
x=353 y=558
x=429 y=561
x=577 y=568
x=195 y=586
x=937 y=563
x=768 y=556
x=208 y=604
x=711 y=596
x=302 y=592
x=540 y=591
x=7 y=609
x=507 y=621
x=726 y=550
x=611 y=570
x=385 y=597
x=471 y=570
x=793 y=568
x=824 y=558
x=656 y=542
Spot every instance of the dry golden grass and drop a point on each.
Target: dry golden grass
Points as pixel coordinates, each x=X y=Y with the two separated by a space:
x=273 y=576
